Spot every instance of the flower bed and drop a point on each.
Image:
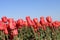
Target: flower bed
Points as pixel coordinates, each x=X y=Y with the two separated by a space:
x=29 y=29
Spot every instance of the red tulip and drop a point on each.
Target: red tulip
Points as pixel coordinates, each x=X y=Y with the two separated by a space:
x=29 y=21
x=10 y=20
x=36 y=22
x=25 y=23
x=4 y=19
x=59 y=23
x=50 y=25
x=20 y=22
x=1 y=25
x=11 y=24
x=27 y=17
x=14 y=32
x=49 y=19
x=33 y=25
x=32 y=22
x=42 y=21
x=56 y=24
x=47 y=24
x=5 y=31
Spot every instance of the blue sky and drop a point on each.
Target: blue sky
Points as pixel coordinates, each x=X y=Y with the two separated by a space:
x=34 y=8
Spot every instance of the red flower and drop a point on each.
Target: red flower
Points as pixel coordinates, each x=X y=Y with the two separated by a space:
x=49 y=19
x=25 y=23
x=5 y=26
x=10 y=20
x=42 y=21
x=32 y=22
x=56 y=24
x=20 y=22
x=47 y=24
x=5 y=31
x=11 y=24
x=44 y=27
x=50 y=25
x=35 y=20
x=27 y=17
x=1 y=25
x=37 y=25
x=29 y=21
x=14 y=32
x=4 y=19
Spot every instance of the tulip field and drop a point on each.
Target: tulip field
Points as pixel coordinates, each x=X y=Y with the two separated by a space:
x=43 y=28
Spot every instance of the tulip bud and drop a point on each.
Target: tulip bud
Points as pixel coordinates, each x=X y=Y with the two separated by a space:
x=29 y=21
x=25 y=23
x=35 y=20
x=14 y=32
x=5 y=31
x=27 y=17
x=49 y=19
x=20 y=22
x=56 y=24
x=11 y=24
x=10 y=20
x=1 y=25
x=42 y=21
x=4 y=19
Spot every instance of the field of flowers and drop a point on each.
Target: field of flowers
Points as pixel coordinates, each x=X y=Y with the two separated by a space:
x=29 y=29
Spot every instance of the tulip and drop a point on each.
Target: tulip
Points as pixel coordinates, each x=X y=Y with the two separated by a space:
x=42 y=21
x=49 y=19
x=4 y=19
x=32 y=22
x=11 y=24
x=56 y=24
x=10 y=20
x=5 y=31
x=5 y=28
x=35 y=20
x=29 y=21
x=14 y=32
x=20 y=22
x=37 y=24
x=27 y=17
x=25 y=23
x=1 y=25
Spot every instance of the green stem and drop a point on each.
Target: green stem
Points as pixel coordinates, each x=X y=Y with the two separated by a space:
x=20 y=34
x=34 y=32
x=54 y=35
x=15 y=38
x=48 y=34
